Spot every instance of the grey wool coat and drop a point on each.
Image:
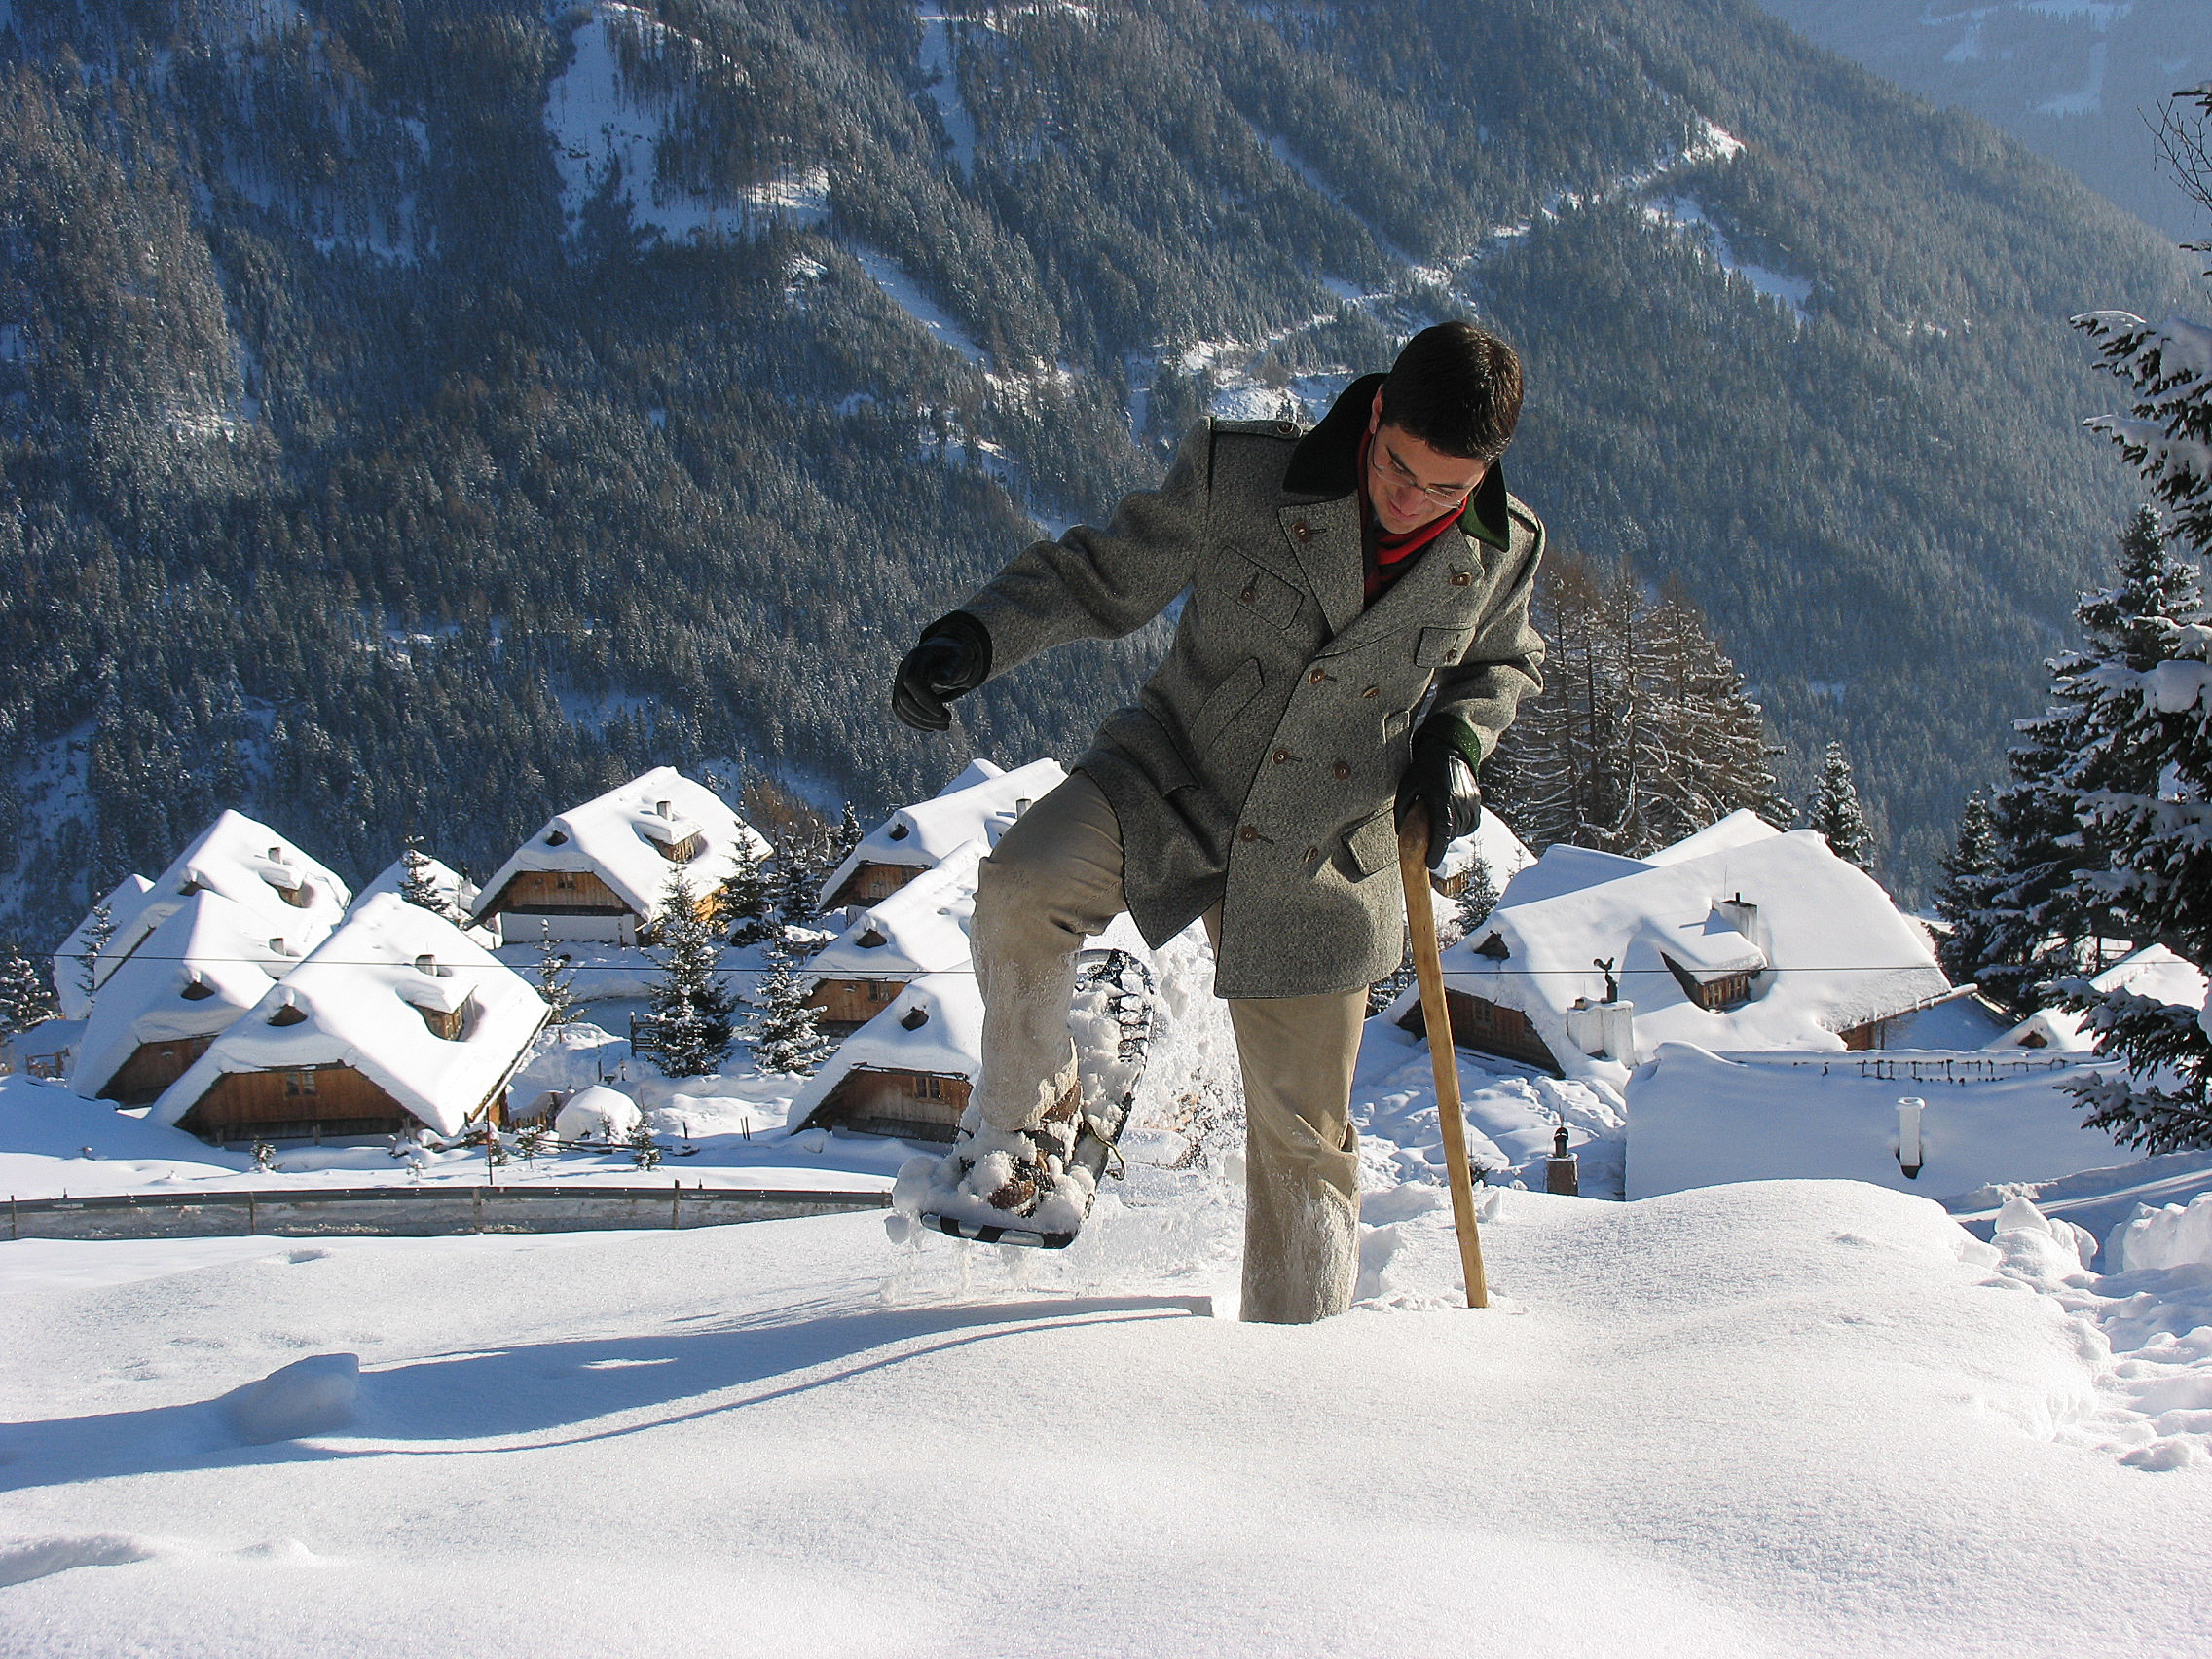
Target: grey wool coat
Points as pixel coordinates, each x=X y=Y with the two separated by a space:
x=1259 y=766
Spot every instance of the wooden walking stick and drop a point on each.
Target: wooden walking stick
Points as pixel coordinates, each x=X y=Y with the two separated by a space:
x=1443 y=1057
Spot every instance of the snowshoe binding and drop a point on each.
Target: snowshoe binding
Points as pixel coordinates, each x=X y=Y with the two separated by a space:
x=1035 y=1186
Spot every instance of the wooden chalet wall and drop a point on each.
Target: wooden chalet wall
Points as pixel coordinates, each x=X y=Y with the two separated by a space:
x=1488 y=1027
x=332 y=1102
x=911 y=1105
x=557 y=893
x=152 y=1068
x=847 y=1005
x=870 y=884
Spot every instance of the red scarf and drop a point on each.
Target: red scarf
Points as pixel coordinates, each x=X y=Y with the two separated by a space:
x=1388 y=556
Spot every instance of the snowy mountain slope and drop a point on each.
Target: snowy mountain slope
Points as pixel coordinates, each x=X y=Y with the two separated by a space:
x=1791 y=1419
x=2071 y=79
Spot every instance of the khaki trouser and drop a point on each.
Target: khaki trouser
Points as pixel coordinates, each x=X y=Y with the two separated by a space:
x=1055 y=879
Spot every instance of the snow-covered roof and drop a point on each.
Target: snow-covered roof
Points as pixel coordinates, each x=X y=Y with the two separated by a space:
x=123 y=904
x=946 y=1040
x=2152 y=971
x=920 y=929
x=976 y=806
x=1826 y=947
x=1495 y=844
x=1742 y=828
x=364 y=993
x=618 y=835
x=207 y=964
x=455 y=889
x=248 y=863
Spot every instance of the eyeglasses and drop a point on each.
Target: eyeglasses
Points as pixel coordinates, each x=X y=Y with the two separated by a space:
x=1399 y=475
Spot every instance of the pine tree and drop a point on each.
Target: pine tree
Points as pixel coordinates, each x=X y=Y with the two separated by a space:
x=1970 y=872
x=2048 y=913
x=742 y=905
x=555 y=979
x=99 y=930
x=416 y=885
x=26 y=997
x=1834 y=811
x=644 y=1151
x=782 y=1032
x=799 y=883
x=688 y=1031
x=1478 y=898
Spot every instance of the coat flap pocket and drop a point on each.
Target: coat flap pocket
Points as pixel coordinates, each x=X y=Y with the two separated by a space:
x=1270 y=596
x=1443 y=647
x=1224 y=705
x=1373 y=845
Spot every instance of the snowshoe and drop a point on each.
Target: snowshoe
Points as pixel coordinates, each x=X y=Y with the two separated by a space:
x=1035 y=1186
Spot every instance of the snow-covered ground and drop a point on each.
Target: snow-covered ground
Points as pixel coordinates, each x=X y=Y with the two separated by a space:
x=1778 y=1418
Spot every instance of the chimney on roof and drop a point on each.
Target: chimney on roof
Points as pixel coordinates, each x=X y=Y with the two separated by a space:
x=427 y=964
x=661 y=808
x=1020 y=807
x=1741 y=914
x=279 y=947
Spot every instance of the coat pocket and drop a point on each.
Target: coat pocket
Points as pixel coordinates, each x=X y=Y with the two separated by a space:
x=1371 y=846
x=1269 y=597
x=1228 y=700
x=1443 y=647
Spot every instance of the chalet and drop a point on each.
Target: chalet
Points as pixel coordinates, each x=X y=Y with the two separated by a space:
x=599 y=871
x=1492 y=845
x=71 y=984
x=920 y=929
x=907 y=1072
x=244 y=861
x=2152 y=971
x=1740 y=938
x=976 y=806
x=398 y=1023
x=454 y=891
x=201 y=969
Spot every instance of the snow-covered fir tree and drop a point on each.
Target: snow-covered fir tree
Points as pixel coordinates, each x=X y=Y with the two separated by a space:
x=1477 y=898
x=2047 y=914
x=781 y=1032
x=2143 y=783
x=798 y=882
x=743 y=906
x=556 y=979
x=688 y=1031
x=1834 y=811
x=26 y=996
x=99 y=929
x=1962 y=899
x=418 y=885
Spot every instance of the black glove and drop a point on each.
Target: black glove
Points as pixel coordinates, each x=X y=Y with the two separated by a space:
x=1439 y=783
x=953 y=658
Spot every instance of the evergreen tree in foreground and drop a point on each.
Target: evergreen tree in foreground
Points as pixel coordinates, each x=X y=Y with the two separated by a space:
x=743 y=904
x=782 y=1032
x=26 y=997
x=1834 y=811
x=416 y=885
x=555 y=979
x=687 y=1033
x=2144 y=783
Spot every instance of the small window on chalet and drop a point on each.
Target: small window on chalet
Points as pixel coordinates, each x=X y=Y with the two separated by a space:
x=448 y=1023
x=300 y=895
x=1730 y=990
x=915 y=1018
x=565 y=880
x=872 y=941
x=556 y=838
x=928 y=1086
x=291 y=1013
x=299 y=1083
x=882 y=991
x=198 y=990
x=1495 y=947
x=898 y=832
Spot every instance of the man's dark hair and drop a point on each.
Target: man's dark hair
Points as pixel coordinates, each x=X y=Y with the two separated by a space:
x=1457 y=388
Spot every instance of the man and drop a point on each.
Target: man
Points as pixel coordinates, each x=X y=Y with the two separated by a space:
x=1331 y=579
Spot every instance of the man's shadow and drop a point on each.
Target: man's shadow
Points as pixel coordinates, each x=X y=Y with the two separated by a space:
x=523 y=1397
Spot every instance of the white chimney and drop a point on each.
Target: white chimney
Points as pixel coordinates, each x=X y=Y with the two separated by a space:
x=427 y=964
x=661 y=808
x=1909 y=1156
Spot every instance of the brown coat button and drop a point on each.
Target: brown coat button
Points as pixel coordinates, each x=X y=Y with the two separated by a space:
x=1303 y=530
x=1460 y=578
x=1247 y=833
x=1247 y=596
x=1281 y=755
x=1343 y=770
x=1316 y=676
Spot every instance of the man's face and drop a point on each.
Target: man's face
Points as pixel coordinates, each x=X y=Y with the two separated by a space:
x=1410 y=483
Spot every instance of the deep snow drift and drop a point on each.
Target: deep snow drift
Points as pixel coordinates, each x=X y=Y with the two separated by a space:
x=1788 y=1417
